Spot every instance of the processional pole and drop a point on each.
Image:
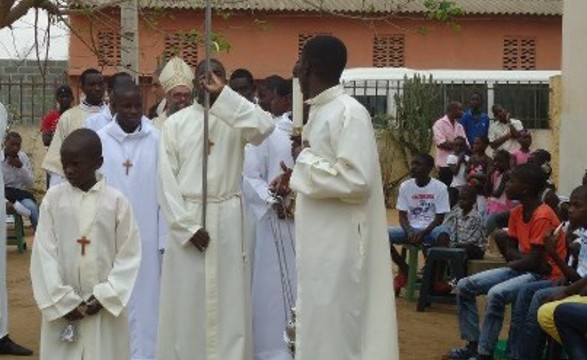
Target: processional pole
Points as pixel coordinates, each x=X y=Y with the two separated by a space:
x=205 y=152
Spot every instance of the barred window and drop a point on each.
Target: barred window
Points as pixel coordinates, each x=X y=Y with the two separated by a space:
x=389 y=50
x=184 y=45
x=108 y=48
x=519 y=53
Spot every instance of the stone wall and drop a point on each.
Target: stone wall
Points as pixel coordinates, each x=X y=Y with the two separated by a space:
x=26 y=91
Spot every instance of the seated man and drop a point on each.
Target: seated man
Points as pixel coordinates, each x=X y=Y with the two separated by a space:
x=527 y=262
x=422 y=203
x=18 y=176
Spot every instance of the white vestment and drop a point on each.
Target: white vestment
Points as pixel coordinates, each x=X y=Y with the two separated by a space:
x=69 y=121
x=345 y=307
x=99 y=120
x=203 y=295
x=274 y=279
x=140 y=149
x=159 y=120
x=62 y=276
x=3 y=293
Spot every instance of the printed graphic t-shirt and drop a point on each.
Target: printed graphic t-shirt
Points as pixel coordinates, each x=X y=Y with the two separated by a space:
x=422 y=204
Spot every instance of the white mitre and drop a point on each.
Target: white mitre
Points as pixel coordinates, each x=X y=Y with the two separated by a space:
x=176 y=73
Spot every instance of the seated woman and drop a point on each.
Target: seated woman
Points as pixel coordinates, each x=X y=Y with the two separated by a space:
x=18 y=176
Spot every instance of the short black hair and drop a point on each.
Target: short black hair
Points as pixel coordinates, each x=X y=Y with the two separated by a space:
x=483 y=138
x=12 y=135
x=243 y=74
x=468 y=191
x=426 y=158
x=63 y=90
x=126 y=87
x=85 y=139
x=86 y=73
x=284 y=88
x=477 y=93
x=216 y=66
x=532 y=176
x=542 y=156
x=270 y=82
x=453 y=105
x=327 y=57
x=119 y=78
x=581 y=192
x=502 y=154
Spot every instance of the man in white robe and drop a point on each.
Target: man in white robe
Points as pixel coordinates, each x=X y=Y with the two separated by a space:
x=176 y=79
x=86 y=256
x=92 y=85
x=7 y=346
x=345 y=307
x=274 y=281
x=203 y=292
x=129 y=147
x=104 y=117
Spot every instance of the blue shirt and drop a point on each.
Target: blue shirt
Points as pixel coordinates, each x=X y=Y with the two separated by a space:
x=475 y=125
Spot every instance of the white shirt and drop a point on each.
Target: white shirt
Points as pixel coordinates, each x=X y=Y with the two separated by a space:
x=422 y=203
x=459 y=179
x=99 y=120
x=62 y=276
x=497 y=129
x=344 y=308
x=18 y=178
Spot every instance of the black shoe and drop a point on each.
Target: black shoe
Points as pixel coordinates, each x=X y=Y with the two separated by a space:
x=9 y=347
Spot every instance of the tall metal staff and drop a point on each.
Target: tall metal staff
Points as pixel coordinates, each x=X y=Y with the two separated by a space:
x=207 y=43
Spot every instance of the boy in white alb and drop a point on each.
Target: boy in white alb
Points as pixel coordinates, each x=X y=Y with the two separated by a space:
x=130 y=145
x=85 y=259
x=422 y=203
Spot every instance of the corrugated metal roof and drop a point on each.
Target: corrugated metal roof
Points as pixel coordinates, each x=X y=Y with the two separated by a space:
x=508 y=7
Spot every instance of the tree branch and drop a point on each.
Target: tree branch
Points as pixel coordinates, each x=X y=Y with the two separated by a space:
x=10 y=13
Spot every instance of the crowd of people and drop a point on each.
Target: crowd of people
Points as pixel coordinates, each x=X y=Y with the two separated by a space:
x=491 y=185
x=126 y=264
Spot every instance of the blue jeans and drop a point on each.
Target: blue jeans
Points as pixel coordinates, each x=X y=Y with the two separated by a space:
x=34 y=209
x=397 y=235
x=571 y=322
x=526 y=338
x=501 y=286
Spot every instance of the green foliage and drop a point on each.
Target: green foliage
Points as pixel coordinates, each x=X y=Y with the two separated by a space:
x=416 y=111
x=409 y=132
x=444 y=11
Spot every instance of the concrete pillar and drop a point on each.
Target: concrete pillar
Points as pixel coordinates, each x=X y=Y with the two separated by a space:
x=573 y=134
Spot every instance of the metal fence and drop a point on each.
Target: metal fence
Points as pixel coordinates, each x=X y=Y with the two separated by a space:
x=526 y=101
x=28 y=100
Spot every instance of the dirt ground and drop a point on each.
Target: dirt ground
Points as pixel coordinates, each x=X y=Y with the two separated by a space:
x=422 y=336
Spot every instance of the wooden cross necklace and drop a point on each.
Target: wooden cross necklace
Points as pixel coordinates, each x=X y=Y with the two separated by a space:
x=83 y=242
x=127 y=164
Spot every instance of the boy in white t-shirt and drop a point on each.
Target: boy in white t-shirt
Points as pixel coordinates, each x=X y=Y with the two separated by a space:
x=422 y=203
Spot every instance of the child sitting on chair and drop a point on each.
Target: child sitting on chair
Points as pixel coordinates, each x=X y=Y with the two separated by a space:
x=422 y=203
x=464 y=226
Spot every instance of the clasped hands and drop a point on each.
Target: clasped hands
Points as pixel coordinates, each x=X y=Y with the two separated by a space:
x=89 y=307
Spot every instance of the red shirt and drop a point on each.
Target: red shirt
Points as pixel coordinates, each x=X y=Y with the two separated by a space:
x=531 y=233
x=49 y=122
